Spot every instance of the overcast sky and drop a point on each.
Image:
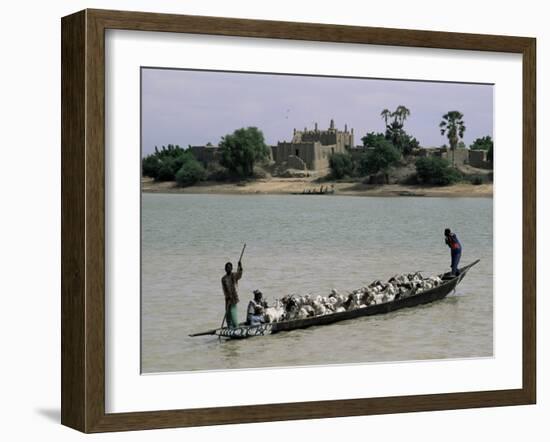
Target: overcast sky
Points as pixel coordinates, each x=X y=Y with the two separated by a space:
x=196 y=107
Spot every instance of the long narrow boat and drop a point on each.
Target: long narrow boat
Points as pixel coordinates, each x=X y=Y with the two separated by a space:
x=411 y=300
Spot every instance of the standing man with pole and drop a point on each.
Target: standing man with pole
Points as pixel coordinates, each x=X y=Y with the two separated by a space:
x=229 y=285
x=456 y=250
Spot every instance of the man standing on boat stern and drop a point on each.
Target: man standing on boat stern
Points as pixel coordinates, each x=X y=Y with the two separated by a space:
x=456 y=250
x=229 y=286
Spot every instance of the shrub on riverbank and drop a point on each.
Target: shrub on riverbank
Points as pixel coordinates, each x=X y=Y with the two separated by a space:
x=341 y=165
x=191 y=172
x=167 y=170
x=379 y=160
x=173 y=163
x=476 y=180
x=163 y=164
x=383 y=157
x=436 y=171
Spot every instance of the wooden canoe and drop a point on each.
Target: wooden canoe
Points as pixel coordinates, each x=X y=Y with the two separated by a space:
x=410 y=300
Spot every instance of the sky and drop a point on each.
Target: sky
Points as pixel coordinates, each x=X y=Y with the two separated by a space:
x=188 y=107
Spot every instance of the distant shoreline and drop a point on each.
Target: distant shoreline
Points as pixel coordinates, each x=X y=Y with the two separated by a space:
x=289 y=186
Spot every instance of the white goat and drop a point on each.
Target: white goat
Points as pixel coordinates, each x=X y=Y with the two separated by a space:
x=274 y=313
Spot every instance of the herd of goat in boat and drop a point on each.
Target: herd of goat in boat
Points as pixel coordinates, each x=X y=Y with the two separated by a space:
x=292 y=306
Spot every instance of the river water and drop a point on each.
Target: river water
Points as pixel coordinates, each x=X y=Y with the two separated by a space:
x=309 y=244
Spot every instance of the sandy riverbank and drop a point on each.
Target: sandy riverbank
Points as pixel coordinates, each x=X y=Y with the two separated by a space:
x=282 y=186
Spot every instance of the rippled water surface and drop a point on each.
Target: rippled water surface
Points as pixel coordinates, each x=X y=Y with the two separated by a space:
x=309 y=244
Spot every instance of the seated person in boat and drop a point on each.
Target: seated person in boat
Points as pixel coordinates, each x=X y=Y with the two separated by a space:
x=255 y=311
x=229 y=285
x=456 y=250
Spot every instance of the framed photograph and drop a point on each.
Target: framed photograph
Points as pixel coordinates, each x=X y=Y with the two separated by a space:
x=268 y=220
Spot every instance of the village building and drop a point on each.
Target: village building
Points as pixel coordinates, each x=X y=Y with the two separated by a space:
x=311 y=149
x=206 y=154
x=473 y=157
x=478 y=158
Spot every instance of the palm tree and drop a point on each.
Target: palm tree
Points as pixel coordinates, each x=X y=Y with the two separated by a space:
x=401 y=113
x=385 y=114
x=453 y=124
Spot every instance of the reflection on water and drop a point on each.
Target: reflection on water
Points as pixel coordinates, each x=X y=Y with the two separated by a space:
x=309 y=244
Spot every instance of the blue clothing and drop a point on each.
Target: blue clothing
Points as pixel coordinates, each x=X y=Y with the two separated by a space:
x=255 y=319
x=453 y=242
x=456 y=251
x=455 y=259
x=254 y=314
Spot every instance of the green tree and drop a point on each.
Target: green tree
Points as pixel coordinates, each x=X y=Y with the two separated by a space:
x=341 y=165
x=453 y=125
x=190 y=172
x=171 y=150
x=163 y=164
x=242 y=149
x=167 y=170
x=484 y=143
x=436 y=171
x=372 y=139
x=395 y=132
x=385 y=114
x=380 y=159
x=150 y=166
x=401 y=140
x=411 y=143
x=400 y=114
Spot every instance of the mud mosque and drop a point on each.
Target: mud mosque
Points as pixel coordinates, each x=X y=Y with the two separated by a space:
x=309 y=149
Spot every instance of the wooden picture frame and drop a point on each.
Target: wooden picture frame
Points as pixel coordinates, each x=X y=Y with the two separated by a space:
x=83 y=220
